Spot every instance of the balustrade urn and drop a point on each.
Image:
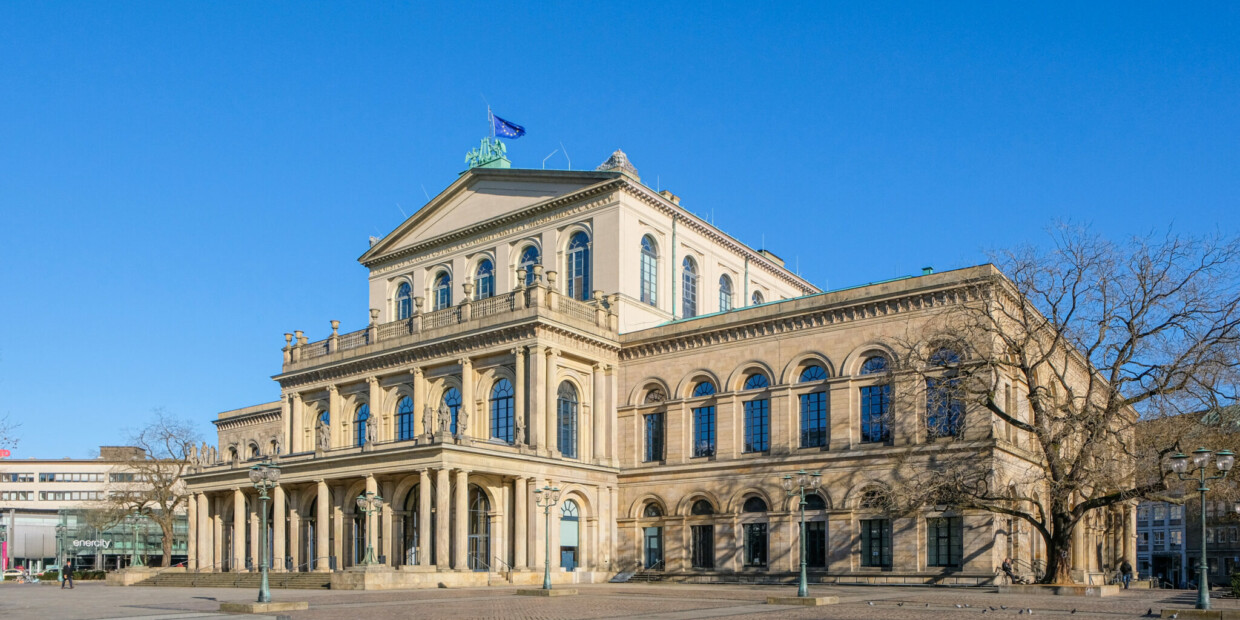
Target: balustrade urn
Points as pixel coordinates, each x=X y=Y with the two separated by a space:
x=521 y=272
x=335 y=327
x=417 y=304
x=374 y=315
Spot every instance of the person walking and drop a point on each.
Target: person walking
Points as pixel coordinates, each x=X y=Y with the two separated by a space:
x=1125 y=572
x=66 y=575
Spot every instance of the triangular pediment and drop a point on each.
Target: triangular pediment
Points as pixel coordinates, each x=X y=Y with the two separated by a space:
x=479 y=196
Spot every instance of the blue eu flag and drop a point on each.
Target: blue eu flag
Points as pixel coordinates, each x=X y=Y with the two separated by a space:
x=505 y=129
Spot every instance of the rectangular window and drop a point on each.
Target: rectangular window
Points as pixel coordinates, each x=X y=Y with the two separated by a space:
x=1176 y=539
x=876 y=543
x=944 y=409
x=1160 y=514
x=875 y=400
x=943 y=541
x=1160 y=540
x=17 y=477
x=814 y=420
x=816 y=544
x=757 y=425
x=654 y=437
x=755 y=544
x=704 y=431
x=702 y=546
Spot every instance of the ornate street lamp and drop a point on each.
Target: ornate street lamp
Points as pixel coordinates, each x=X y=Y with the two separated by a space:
x=1201 y=459
x=546 y=498
x=60 y=545
x=796 y=487
x=369 y=503
x=265 y=476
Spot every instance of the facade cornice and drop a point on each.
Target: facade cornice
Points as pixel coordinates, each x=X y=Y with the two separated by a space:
x=249 y=419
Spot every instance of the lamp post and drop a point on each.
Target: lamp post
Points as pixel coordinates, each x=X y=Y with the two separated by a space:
x=546 y=498
x=264 y=476
x=1201 y=460
x=795 y=487
x=369 y=503
x=60 y=545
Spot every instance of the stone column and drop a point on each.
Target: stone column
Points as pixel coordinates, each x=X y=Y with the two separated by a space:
x=206 y=560
x=191 y=543
x=322 y=522
x=1079 y=553
x=613 y=450
x=372 y=520
x=253 y=515
x=555 y=529
x=297 y=425
x=294 y=537
x=462 y=521
x=538 y=409
x=518 y=386
x=338 y=530
x=419 y=401
x=424 y=518
x=387 y=547
x=336 y=413
x=278 y=550
x=467 y=397
x=600 y=414
x=217 y=534
x=1130 y=538
x=238 y=546
x=286 y=422
x=553 y=445
x=443 y=520
x=521 y=516
x=378 y=413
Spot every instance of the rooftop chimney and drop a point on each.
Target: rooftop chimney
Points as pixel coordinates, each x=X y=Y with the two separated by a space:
x=670 y=196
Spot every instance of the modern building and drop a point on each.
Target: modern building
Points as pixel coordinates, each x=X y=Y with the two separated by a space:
x=578 y=330
x=46 y=506
x=1222 y=540
x=1161 y=533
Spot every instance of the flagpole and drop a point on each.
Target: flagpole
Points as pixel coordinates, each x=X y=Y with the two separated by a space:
x=491 y=118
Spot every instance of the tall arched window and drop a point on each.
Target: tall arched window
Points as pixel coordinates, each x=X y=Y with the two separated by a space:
x=578 y=284
x=757 y=416
x=689 y=287
x=404 y=419
x=452 y=400
x=360 y=421
x=649 y=266
x=813 y=409
x=725 y=293
x=570 y=534
x=443 y=291
x=484 y=279
x=404 y=301
x=566 y=420
x=501 y=410
x=529 y=258
x=756 y=299
x=704 y=421
x=875 y=402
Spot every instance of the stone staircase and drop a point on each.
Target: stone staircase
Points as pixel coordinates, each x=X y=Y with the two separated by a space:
x=299 y=581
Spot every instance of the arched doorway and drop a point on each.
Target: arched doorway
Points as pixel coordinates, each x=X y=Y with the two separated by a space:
x=479 y=530
x=570 y=534
x=652 y=538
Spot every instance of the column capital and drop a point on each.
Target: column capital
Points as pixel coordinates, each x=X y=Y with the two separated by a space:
x=599 y=367
x=462 y=470
x=553 y=352
x=331 y=389
x=417 y=372
x=516 y=351
x=536 y=349
x=374 y=379
x=465 y=361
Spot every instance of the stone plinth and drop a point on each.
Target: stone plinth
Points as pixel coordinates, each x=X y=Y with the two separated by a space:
x=129 y=576
x=262 y=608
x=542 y=592
x=386 y=578
x=1061 y=590
x=804 y=601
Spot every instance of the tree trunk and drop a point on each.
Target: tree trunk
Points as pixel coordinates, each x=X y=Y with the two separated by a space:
x=1059 y=551
x=167 y=528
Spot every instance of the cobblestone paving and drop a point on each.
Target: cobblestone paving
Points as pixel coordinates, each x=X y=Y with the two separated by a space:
x=595 y=602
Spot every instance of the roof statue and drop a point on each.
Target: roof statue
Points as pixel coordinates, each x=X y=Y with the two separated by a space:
x=620 y=162
x=490 y=154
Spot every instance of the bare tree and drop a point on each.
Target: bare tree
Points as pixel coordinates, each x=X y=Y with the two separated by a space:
x=1057 y=358
x=8 y=432
x=150 y=485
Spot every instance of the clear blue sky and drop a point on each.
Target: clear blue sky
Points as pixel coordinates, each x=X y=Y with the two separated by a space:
x=180 y=184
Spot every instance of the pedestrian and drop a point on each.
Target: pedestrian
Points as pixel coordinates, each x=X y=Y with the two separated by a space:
x=1125 y=572
x=66 y=575
x=1007 y=570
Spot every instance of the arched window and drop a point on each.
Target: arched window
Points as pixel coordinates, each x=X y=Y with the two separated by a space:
x=703 y=388
x=874 y=499
x=578 y=284
x=754 y=504
x=484 y=279
x=756 y=381
x=702 y=507
x=815 y=501
x=566 y=420
x=254 y=452
x=361 y=419
x=725 y=293
x=689 y=287
x=404 y=301
x=404 y=419
x=479 y=547
x=756 y=299
x=652 y=511
x=874 y=365
x=813 y=373
x=501 y=410
x=945 y=356
x=443 y=291
x=452 y=400
x=570 y=534
x=655 y=394
x=649 y=274
x=529 y=258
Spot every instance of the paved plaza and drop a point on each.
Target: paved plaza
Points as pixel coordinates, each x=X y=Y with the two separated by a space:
x=650 y=601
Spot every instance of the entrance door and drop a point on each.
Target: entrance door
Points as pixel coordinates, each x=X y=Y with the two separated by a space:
x=311 y=538
x=570 y=534
x=702 y=546
x=568 y=558
x=654 y=547
x=479 y=530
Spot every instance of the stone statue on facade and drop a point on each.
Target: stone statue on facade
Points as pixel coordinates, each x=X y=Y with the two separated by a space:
x=277 y=444
x=372 y=432
x=462 y=421
x=324 y=439
x=428 y=421
x=445 y=420
x=193 y=456
x=520 y=435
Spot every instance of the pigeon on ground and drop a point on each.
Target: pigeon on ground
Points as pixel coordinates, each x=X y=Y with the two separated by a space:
x=899 y=604
x=985 y=611
x=1175 y=615
x=1003 y=607
x=958 y=606
x=1029 y=611
x=1073 y=611
x=870 y=603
